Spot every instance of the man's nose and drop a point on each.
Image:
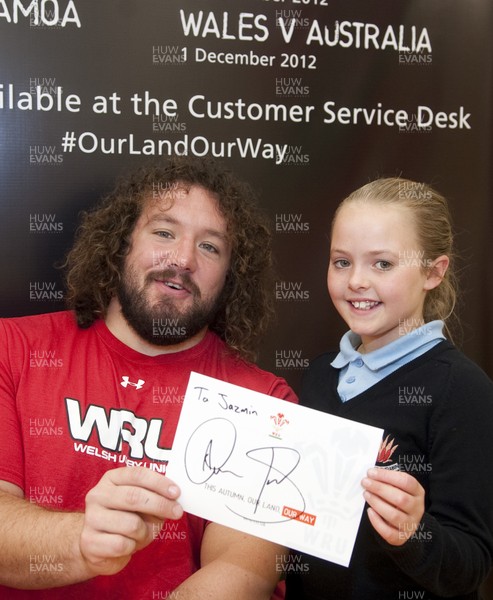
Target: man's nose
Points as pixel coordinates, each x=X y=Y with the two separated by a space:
x=184 y=255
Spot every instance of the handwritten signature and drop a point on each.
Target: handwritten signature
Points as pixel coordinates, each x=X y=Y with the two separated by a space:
x=213 y=460
x=205 y=459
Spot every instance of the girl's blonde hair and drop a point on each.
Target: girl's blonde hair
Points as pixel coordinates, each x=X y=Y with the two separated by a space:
x=432 y=219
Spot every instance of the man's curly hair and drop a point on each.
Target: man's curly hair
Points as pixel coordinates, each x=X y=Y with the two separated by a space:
x=94 y=264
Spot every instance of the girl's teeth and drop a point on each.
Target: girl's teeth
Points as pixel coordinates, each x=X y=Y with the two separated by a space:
x=366 y=305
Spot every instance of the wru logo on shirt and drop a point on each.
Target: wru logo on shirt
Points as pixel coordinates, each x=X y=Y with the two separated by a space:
x=141 y=435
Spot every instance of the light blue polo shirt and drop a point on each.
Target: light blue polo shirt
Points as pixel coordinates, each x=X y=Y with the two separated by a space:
x=361 y=371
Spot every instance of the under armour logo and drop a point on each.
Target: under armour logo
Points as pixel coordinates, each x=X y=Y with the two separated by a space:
x=125 y=382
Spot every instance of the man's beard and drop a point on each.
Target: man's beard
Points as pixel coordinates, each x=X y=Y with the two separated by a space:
x=163 y=324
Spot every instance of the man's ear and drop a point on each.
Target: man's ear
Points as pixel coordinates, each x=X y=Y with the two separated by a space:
x=436 y=272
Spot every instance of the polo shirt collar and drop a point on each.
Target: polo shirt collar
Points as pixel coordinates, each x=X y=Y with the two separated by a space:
x=389 y=353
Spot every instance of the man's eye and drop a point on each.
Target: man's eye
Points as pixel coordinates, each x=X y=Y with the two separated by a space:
x=209 y=248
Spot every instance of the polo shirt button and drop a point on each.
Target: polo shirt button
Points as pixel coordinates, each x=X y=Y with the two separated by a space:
x=351 y=379
x=358 y=362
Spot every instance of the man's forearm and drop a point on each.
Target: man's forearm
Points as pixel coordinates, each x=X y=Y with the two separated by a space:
x=234 y=565
x=39 y=548
x=223 y=580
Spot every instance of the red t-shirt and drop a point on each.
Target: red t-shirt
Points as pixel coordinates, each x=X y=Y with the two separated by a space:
x=77 y=402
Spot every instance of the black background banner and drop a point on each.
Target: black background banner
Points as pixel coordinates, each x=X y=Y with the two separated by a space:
x=305 y=99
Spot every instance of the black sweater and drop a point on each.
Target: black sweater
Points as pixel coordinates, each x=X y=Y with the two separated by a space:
x=437 y=412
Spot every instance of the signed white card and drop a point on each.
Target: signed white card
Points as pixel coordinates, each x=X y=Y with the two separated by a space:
x=270 y=468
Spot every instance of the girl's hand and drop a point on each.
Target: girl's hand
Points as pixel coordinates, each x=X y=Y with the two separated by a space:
x=397 y=504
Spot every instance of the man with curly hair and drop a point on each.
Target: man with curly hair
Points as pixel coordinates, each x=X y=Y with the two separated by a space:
x=169 y=274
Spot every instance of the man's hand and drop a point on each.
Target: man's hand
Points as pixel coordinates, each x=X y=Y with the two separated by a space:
x=124 y=511
x=397 y=504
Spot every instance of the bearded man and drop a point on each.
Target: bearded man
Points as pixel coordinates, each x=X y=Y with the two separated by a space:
x=169 y=274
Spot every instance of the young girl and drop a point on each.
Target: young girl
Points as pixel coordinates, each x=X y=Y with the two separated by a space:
x=428 y=528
